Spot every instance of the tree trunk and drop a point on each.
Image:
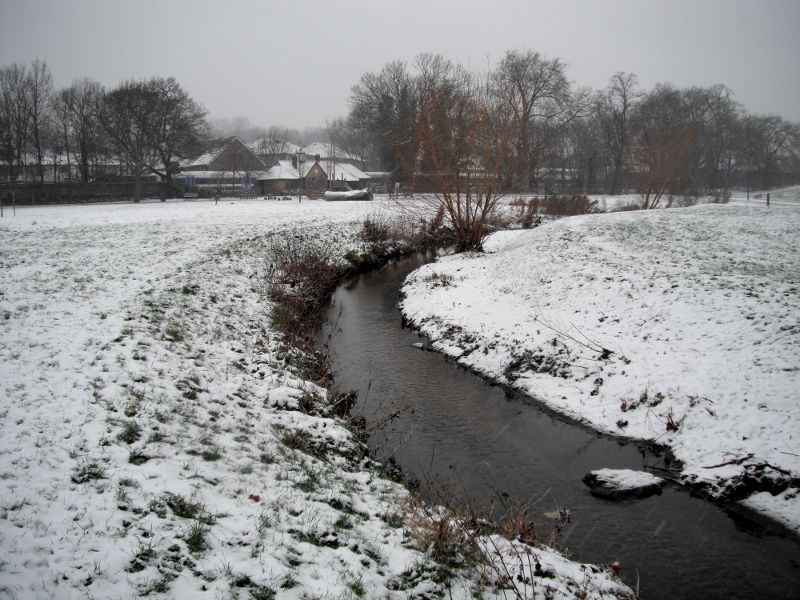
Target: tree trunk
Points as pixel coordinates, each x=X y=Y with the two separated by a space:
x=615 y=178
x=137 y=184
x=84 y=162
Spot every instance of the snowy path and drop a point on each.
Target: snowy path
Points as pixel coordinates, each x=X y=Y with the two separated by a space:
x=697 y=307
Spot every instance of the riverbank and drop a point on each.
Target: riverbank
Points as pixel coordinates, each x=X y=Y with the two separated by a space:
x=676 y=327
x=158 y=439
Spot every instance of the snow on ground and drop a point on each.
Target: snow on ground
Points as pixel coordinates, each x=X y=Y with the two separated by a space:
x=606 y=202
x=677 y=326
x=156 y=440
x=788 y=195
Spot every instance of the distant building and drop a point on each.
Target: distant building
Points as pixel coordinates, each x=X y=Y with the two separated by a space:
x=344 y=176
x=315 y=182
x=314 y=177
x=228 y=154
x=328 y=154
x=228 y=165
x=282 y=178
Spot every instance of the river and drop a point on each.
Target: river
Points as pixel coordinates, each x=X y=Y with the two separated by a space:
x=465 y=440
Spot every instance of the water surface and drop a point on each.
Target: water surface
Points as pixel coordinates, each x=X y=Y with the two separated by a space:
x=466 y=440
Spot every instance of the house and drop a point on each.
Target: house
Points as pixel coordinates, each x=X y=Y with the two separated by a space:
x=227 y=165
x=228 y=154
x=315 y=182
x=328 y=154
x=282 y=178
x=285 y=177
x=344 y=176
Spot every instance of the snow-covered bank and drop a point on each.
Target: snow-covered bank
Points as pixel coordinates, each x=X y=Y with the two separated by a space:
x=155 y=438
x=676 y=326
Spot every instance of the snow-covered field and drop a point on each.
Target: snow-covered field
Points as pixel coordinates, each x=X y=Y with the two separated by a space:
x=678 y=326
x=155 y=440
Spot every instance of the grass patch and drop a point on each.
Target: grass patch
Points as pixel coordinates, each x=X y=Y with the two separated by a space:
x=144 y=554
x=131 y=432
x=297 y=439
x=156 y=437
x=195 y=537
x=357 y=587
x=439 y=280
x=138 y=458
x=183 y=507
x=174 y=332
x=211 y=454
x=131 y=409
x=326 y=539
x=90 y=471
x=312 y=481
x=343 y=522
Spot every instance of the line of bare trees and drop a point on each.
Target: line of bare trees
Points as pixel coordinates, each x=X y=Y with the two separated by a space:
x=143 y=125
x=661 y=143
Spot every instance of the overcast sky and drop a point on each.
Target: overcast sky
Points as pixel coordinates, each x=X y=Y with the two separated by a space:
x=293 y=63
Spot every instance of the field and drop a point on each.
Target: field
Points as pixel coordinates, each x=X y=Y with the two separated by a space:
x=157 y=439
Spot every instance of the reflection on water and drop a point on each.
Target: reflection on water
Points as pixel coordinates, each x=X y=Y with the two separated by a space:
x=467 y=440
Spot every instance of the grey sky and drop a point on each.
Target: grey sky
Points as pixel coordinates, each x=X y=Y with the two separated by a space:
x=293 y=63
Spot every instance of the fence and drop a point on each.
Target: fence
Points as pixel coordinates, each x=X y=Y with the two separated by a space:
x=26 y=194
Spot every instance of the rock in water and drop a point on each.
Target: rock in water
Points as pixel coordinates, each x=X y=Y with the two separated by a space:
x=616 y=484
x=423 y=346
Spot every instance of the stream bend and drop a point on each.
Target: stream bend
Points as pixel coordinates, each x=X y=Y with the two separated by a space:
x=464 y=439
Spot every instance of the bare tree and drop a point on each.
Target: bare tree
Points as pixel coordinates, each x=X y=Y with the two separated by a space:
x=61 y=109
x=126 y=115
x=388 y=102
x=714 y=114
x=178 y=127
x=581 y=154
x=82 y=101
x=437 y=79
x=14 y=117
x=770 y=144
x=361 y=142
x=536 y=92
x=614 y=107
x=666 y=152
x=39 y=83
x=344 y=134
x=464 y=142
x=274 y=142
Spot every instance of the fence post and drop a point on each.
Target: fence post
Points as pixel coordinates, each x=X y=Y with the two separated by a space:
x=2 y=204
